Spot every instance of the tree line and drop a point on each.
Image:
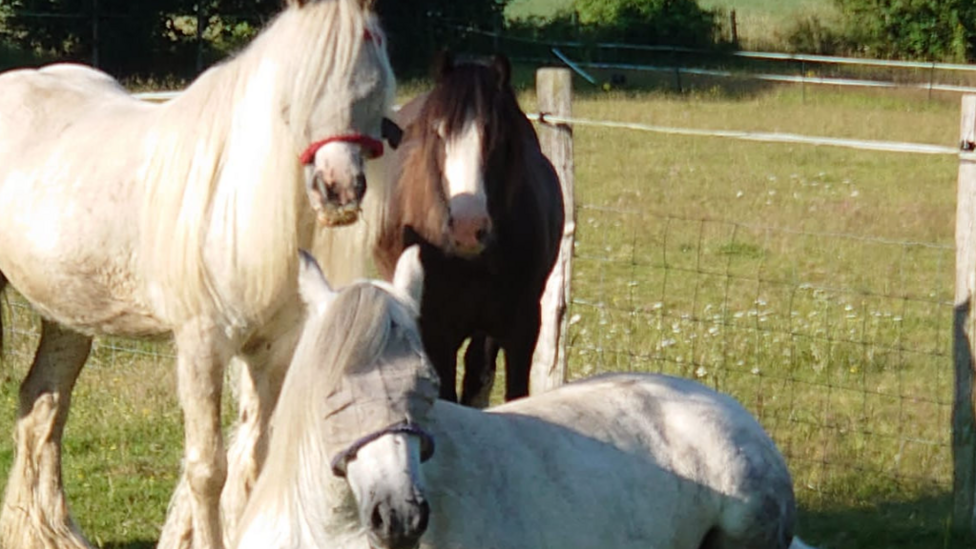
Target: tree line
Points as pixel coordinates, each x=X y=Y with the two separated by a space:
x=162 y=37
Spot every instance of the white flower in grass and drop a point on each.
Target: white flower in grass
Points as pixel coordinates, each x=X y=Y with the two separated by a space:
x=574 y=319
x=666 y=343
x=754 y=371
x=700 y=372
x=855 y=193
x=740 y=194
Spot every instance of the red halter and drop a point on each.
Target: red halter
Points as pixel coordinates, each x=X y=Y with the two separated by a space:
x=372 y=148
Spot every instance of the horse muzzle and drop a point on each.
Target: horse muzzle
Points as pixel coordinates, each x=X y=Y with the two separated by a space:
x=336 y=182
x=469 y=226
x=336 y=202
x=397 y=524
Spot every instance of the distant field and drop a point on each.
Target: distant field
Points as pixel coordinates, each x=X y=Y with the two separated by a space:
x=542 y=8
x=762 y=24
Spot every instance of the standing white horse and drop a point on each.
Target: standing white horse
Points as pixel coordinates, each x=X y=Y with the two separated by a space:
x=121 y=217
x=620 y=461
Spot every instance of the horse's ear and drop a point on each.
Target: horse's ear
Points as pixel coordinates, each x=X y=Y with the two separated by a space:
x=503 y=70
x=443 y=65
x=312 y=285
x=408 y=277
x=392 y=132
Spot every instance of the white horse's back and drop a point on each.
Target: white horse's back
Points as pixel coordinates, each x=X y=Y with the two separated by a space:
x=631 y=460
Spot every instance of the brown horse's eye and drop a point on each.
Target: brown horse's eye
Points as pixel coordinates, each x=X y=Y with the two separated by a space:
x=439 y=127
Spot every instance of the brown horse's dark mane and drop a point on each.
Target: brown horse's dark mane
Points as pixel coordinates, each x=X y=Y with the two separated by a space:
x=464 y=92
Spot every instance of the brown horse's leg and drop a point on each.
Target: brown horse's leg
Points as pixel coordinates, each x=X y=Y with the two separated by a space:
x=443 y=356
x=479 y=370
x=519 y=346
x=35 y=511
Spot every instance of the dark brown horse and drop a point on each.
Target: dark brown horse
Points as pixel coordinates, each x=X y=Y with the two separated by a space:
x=474 y=190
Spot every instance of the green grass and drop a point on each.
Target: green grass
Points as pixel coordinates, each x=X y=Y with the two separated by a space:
x=761 y=24
x=813 y=284
x=517 y=9
x=767 y=24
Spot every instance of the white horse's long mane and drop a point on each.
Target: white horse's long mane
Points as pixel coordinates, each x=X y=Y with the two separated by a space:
x=224 y=184
x=356 y=333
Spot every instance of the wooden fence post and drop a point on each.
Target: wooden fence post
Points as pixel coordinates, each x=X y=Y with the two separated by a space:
x=554 y=88
x=964 y=329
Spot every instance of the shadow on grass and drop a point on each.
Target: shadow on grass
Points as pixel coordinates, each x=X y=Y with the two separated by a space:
x=916 y=523
x=912 y=524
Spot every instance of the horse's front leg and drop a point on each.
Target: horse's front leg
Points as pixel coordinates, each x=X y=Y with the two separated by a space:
x=479 y=370
x=193 y=520
x=35 y=512
x=442 y=351
x=262 y=365
x=519 y=346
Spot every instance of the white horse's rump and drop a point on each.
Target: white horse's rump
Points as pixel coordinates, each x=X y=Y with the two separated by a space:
x=363 y=456
x=121 y=217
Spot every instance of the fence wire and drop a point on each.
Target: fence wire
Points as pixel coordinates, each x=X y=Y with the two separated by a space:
x=840 y=344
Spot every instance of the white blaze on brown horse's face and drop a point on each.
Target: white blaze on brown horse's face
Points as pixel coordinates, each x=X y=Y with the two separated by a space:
x=468 y=225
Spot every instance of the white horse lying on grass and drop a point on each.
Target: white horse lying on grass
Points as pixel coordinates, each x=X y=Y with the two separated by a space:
x=617 y=461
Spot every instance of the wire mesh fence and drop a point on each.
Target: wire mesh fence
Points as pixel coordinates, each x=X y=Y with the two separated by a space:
x=849 y=368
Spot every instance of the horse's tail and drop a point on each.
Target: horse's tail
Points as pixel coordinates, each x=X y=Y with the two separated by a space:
x=798 y=544
x=344 y=253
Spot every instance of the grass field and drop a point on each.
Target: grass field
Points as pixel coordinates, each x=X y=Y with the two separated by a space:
x=813 y=284
x=762 y=24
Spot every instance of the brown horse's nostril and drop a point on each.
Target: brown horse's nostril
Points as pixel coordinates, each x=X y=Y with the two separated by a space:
x=482 y=235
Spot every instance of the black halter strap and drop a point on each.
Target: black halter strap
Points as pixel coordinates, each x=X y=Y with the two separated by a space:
x=342 y=459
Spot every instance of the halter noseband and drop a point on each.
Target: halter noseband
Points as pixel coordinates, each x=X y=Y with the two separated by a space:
x=372 y=147
x=342 y=459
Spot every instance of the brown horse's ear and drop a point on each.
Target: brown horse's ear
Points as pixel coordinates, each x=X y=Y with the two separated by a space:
x=443 y=65
x=503 y=70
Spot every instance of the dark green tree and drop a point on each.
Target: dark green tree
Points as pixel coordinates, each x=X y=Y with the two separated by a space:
x=933 y=30
x=669 y=22
x=418 y=29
